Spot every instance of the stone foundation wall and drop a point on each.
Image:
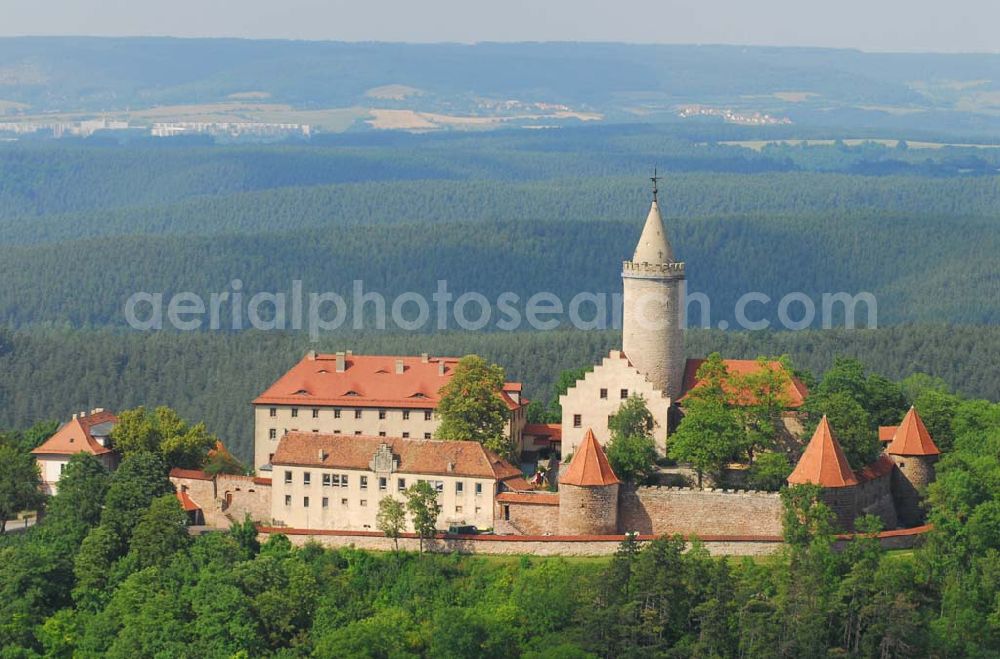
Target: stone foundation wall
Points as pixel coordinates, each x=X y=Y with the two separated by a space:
x=872 y=496
x=516 y=545
x=244 y=495
x=527 y=519
x=660 y=510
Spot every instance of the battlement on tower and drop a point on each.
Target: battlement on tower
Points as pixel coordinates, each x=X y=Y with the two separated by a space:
x=653 y=270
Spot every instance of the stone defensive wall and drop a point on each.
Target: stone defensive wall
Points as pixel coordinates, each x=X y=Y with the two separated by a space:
x=710 y=512
x=871 y=496
x=604 y=545
x=225 y=498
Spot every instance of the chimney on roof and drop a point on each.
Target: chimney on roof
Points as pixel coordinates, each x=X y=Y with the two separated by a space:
x=350 y=353
x=97 y=410
x=341 y=362
x=311 y=355
x=441 y=367
x=451 y=467
x=322 y=455
x=83 y=414
x=399 y=367
x=424 y=358
x=75 y=414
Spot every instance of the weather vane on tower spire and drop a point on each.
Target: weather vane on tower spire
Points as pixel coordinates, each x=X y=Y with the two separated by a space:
x=655 y=179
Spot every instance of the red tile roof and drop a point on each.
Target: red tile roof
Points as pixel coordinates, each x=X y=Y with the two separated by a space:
x=368 y=381
x=186 y=503
x=550 y=431
x=76 y=436
x=823 y=462
x=194 y=474
x=590 y=466
x=796 y=391
x=886 y=433
x=912 y=438
x=882 y=466
x=531 y=498
x=415 y=456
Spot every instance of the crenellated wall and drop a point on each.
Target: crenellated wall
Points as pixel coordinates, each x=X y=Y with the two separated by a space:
x=659 y=510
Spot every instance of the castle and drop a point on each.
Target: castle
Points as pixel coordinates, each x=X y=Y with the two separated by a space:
x=338 y=432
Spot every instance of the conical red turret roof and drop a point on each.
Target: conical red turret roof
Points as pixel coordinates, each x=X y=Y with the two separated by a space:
x=912 y=438
x=590 y=466
x=823 y=462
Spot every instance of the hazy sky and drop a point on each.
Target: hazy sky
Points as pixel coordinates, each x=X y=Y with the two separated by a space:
x=903 y=25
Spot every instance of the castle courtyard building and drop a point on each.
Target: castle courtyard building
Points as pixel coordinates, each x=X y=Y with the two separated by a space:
x=358 y=395
x=336 y=482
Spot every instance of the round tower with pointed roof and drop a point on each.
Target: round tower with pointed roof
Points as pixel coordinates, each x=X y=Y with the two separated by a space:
x=588 y=492
x=652 y=337
x=914 y=453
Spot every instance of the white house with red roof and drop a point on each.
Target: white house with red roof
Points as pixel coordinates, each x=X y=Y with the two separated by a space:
x=84 y=433
x=361 y=395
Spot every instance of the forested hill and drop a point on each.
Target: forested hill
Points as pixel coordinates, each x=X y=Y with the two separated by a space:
x=618 y=81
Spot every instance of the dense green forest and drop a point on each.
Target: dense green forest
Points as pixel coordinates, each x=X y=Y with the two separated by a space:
x=85 y=224
x=51 y=373
x=111 y=571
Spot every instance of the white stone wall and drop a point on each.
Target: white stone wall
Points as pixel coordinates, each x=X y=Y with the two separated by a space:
x=355 y=507
x=584 y=399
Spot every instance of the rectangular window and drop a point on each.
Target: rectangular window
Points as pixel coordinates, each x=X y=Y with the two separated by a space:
x=406 y=435
x=357 y=432
x=364 y=482
x=459 y=487
x=406 y=415
x=381 y=414
x=506 y=512
x=439 y=486
x=479 y=488
x=624 y=393
x=306 y=477
x=427 y=415
x=315 y=413
x=343 y=502
x=381 y=433
x=274 y=412
x=326 y=502
x=357 y=414
x=343 y=481
x=604 y=393
x=288 y=478
x=401 y=484
x=427 y=435
x=577 y=420
x=288 y=499
x=458 y=509
x=336 y=480
x=336 y=414
x=305 y=502
x=336 y=431
x=295 y=412
x=383 y=483
x=327 y=480
x=364 y=503
x=272 y=433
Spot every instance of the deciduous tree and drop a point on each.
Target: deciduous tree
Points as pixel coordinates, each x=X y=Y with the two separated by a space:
x=471 y=406
x=391 y=519
x=424 y=508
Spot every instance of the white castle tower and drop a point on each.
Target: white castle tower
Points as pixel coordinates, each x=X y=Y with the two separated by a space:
x=652 y=337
